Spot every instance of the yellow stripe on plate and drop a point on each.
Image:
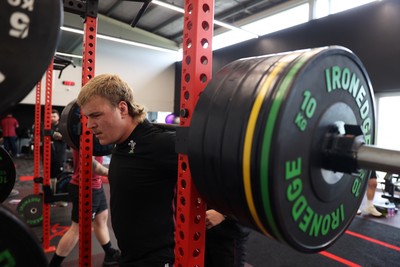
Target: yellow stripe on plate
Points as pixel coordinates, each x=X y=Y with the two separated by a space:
x=248 y=142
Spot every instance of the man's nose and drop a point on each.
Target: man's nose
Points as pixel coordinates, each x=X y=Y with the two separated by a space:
x=90 y=124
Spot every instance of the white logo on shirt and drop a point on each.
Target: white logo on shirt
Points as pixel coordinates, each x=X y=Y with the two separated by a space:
x=132 y=144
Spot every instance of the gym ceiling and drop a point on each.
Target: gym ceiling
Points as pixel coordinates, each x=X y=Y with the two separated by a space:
x=152 y=23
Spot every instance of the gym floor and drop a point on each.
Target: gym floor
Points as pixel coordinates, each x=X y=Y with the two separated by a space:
x=60 y=216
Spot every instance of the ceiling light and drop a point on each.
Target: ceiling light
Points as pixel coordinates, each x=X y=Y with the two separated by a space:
x=68 y=29
x=169 y=6
x=119 y=40
x=123 y=41
x=68 y=55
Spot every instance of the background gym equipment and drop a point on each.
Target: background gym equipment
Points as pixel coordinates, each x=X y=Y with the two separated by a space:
x=391 y=187
x=71 y=129
x=277 y=143
x=29 y=36
x=30 y=209
x=19 y=246
x=7 y=174
x=63 y=182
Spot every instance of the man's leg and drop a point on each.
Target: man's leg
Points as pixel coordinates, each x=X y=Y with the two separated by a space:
x=100 y=227
x=7 y=144
x=69 y=240
x=103 y=236
x=66 y=245
x=13 y=144
x=369 y=207
x=100 y=209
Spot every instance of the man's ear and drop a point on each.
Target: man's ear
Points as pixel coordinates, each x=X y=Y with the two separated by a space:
x=123 y=107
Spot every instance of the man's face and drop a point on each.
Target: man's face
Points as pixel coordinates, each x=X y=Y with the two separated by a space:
x=104 y=120
x=54 y=118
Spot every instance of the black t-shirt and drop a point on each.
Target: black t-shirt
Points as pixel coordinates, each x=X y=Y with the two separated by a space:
x=58 y=147
x=142 y=176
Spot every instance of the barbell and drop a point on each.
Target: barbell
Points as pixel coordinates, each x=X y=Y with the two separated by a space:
x=282 y=143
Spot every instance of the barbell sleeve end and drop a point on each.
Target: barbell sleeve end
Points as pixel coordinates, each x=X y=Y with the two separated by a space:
x=349 y=154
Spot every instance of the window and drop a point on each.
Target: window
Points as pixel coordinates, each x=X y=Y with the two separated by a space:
x=325 y=7
x=280 y=21
x=388 y=130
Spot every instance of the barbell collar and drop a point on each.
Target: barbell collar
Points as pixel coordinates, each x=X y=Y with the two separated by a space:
x=340 y=153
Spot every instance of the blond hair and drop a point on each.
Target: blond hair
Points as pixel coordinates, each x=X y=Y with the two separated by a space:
x=115 y=90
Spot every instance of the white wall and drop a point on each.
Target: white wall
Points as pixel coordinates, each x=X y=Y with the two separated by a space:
x=150 y=73
x=61 y=94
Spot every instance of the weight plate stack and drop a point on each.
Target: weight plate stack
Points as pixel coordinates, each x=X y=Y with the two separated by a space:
x=255 y=143
x=234 y=129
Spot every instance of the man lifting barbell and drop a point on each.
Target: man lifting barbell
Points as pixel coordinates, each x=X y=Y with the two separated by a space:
x=142 y=171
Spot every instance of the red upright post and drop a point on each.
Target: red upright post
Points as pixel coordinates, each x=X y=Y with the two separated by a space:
x=196 y=73
x=86 y=151
x=37 y=137
x=47 y=156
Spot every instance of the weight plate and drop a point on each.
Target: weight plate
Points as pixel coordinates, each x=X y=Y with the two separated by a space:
x=19 y=246
x=251 y=143
x=62 y=182
x=29 y=35
x=312 y=206
x=234 y=130
x=7 y=174
x=214 y=129
x=198 y=158
x=30 y=209
x=70 y=127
